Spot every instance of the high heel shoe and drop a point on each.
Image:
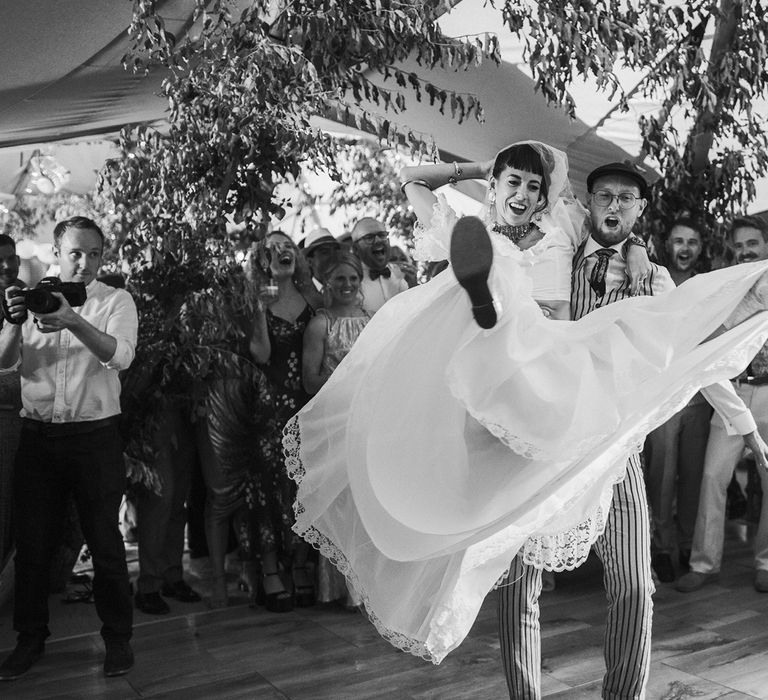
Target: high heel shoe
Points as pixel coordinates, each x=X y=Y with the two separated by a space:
x=277 y=601
x=471 y=258
x=250 y=582
x=303 y=587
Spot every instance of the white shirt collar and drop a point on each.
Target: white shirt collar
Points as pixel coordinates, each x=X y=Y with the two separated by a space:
x=592 y=245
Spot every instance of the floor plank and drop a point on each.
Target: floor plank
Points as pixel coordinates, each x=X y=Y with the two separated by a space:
x=709 y=644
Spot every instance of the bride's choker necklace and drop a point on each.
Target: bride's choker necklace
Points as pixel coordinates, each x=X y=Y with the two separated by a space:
x=514 y=233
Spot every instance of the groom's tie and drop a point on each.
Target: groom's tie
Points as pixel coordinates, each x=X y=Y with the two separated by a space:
x=597 y=278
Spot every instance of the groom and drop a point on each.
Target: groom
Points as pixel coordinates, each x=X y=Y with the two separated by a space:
x=618 y=194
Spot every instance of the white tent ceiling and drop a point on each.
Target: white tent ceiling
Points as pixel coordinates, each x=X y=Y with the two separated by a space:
x=62 y=83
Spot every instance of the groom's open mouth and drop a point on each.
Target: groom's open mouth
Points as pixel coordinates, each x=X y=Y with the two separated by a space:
x=611 y=221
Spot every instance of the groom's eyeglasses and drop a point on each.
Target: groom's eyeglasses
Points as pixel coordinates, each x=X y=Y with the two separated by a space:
x=604 y=198
x=373 y=236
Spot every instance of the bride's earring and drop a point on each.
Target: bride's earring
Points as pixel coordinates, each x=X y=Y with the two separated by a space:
x=489 y=209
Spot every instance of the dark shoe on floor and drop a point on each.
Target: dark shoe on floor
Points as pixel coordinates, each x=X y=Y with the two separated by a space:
x=21 y=659
x=471 y=259
x=761 y=581
x=684 y=557
x=662 y=565
x=278 y=599
x=119 y=657
x=151 y=603
x=693 y=580
x=181 y=591
x=303 y=587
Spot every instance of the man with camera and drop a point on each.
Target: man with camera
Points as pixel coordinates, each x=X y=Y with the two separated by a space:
x=69 y=360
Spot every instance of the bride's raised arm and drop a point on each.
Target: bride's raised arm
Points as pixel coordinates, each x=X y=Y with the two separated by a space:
x=419 y=181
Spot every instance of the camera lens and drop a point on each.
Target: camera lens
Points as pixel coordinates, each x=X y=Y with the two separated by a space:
x=41 y=301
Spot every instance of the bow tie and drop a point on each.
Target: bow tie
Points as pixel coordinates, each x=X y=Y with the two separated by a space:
x=375 y=274
x=597 y=278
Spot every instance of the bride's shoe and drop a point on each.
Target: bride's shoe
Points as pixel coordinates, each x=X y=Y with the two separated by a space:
x=471 y=259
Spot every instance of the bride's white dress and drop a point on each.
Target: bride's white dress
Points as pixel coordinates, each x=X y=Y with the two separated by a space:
x=438 y=450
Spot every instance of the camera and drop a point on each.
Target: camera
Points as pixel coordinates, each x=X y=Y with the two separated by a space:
x=40 y=299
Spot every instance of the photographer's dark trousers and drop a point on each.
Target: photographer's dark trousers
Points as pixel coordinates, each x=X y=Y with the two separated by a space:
x=86 y=460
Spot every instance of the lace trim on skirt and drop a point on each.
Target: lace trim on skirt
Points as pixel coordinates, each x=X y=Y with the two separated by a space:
x=556 y=552
x=292 y=450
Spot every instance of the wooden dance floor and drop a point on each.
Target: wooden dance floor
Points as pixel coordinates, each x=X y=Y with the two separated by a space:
x=708 y=644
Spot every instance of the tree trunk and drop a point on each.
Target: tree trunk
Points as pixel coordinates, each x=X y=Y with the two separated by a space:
x=702 y=135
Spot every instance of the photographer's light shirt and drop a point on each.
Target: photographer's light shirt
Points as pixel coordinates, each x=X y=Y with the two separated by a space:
x=62 y=381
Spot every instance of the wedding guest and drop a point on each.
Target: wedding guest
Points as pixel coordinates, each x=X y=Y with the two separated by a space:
x=329 y=336
x=382 y=279
x=675 y=450
x=276 y=346
x=10 y=404
x=404 y=261
x=319 y=247
x=749 y=237
x=684 y=248
x=161 y=517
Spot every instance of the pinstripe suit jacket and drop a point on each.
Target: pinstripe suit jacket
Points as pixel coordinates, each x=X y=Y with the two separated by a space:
x=736 y=416
x=583 y=297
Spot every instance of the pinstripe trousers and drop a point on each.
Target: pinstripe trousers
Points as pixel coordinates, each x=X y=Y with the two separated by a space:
x=624 y=549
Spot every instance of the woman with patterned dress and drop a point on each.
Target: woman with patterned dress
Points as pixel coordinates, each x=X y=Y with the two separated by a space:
x=440 y=449
x=276 y=346
x=328 y=339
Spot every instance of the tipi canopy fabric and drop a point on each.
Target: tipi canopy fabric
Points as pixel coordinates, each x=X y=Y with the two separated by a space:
x=62 y=80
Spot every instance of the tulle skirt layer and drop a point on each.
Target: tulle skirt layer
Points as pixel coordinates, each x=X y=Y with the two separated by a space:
x=438 y=450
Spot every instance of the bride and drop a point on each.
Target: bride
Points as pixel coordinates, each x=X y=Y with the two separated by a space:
x=439 y=449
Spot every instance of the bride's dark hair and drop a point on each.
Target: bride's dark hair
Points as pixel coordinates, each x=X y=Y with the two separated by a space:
x=524 y=156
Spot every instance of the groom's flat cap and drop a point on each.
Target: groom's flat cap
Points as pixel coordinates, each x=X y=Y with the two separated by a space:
x=624 y=169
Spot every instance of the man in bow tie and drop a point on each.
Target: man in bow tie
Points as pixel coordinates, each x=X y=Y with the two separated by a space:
x=381 y=279
x=618 y=195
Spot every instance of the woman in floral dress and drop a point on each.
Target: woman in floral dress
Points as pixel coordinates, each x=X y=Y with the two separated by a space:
x=288 y=303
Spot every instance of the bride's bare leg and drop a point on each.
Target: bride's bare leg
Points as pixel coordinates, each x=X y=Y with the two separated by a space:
x=471 y=259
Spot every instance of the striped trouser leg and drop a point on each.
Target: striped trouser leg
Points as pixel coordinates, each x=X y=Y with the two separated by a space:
x=624 y=549
x=519 y=631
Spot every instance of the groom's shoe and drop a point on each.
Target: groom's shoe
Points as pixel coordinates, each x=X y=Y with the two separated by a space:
x=471 y=259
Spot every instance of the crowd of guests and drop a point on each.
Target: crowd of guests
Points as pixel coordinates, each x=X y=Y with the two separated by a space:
x=315 y=298
x=313 y=302
x=690 y=460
